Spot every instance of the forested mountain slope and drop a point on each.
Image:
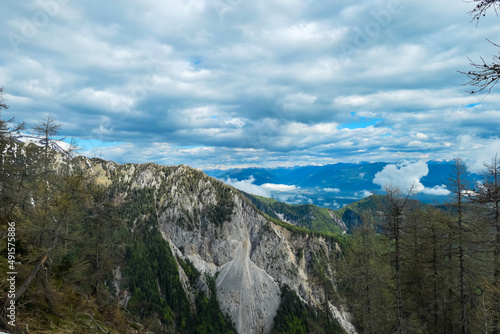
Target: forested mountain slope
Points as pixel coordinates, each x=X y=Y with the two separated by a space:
x=149 y=248
x=309 y=216
x=145 y=248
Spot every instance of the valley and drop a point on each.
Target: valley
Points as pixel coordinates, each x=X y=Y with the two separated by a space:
x=148 y=248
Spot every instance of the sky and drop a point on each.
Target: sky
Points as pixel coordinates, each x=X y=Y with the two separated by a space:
x=238 y=83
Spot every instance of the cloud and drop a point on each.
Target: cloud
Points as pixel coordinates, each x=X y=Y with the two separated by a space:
x=265 y=190
x=336 y=205
x=363 y=194
x=279 y=187
x=331 y=190
x=406 y=176
x=478 y=151
x=437 y=190
x=248 y=186
x=245 y=88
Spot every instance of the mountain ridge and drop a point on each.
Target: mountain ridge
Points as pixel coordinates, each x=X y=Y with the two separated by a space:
x=212 y=239
x=184 y=249
x=331 y=186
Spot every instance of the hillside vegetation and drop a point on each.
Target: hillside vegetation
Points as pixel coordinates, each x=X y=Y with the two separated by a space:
x=309 y=216
x=412 y=268
x=94 y=246
x=93 y=250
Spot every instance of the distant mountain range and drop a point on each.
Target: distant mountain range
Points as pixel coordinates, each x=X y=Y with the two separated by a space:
x=56 y=145
x=330 y=186
x=318 y=219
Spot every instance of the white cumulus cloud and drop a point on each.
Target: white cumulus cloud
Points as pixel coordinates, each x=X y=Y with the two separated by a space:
x=278 y=187
x=265 y=190
x=248 y=186
x=437 y=190
x=407 y=176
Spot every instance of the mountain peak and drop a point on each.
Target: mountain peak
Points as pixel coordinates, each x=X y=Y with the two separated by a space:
x=57 y=145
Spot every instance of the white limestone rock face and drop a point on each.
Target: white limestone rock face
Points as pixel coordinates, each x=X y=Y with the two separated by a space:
x=247 y=293
x=343 y=318
x=250 y=257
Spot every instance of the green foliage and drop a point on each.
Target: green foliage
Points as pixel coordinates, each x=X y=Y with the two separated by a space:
x=210 y=319
x=368 y=206
x=154 y=280
x=365 y=280
x=330 y=236
x=221 y=211
x=191 y=272
x=308 y=216
x=295 y=317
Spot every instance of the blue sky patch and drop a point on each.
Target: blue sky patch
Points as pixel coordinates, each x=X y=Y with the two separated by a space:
x=196 y=61
x=91 y=144
x=363 y=122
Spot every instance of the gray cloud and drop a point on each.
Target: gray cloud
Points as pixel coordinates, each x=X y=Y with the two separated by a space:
x=238 y=83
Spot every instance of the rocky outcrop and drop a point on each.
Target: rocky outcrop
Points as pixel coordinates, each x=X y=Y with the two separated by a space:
x=222 y=234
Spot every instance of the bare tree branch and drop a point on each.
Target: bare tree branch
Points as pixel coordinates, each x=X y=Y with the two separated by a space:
x=5 y=130
x=3 y=105
x=482 y=6
x=486 y=75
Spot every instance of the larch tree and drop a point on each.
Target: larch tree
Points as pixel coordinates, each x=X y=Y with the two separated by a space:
x=467 y=237
x=485 y=74
x=47 y=128
x=394 y=212
x=11 y=170
x=54 y=204
x=459 y=188
x=487 y=197
x=5 y=125
x=365 y=276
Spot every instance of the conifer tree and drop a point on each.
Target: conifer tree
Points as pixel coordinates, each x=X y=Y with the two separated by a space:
x=394 y=213
x=487 y=199
x=55 y=204
x=427 y=274
x=11 y=171
x=365 y=277
x=47 y=128
x=458 y=186
x=468 y=248
x=99 y=228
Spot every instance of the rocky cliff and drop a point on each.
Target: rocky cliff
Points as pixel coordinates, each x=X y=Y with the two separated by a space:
x=219 y=230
